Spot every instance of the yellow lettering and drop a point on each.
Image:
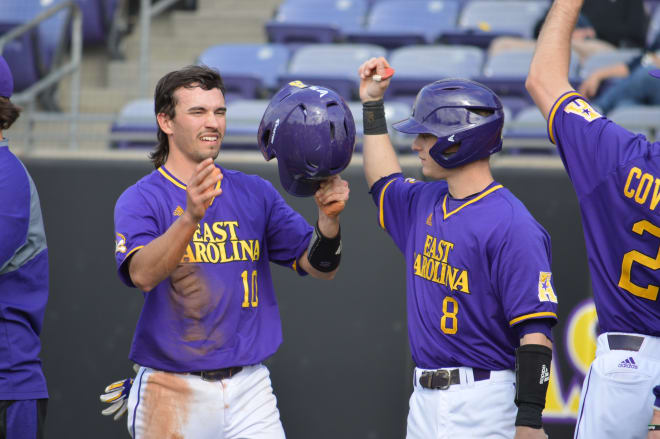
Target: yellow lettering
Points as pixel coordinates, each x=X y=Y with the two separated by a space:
x=212 y=252
x=443 y=276
x=246 y=247
x=200 y=250
x=208 y=236
x=234 y=247
x=196 y=236
x=417 y=266
x=188 y=256
x=427 y=245
x=232 y=229
x=218 y=230
x=428 y=273
x=448 y=247
x=223 y=253
x=656 y=194
x=451 y=276
x=462 y=283
x=644 y=183
x=627 y=191
x=256 y=250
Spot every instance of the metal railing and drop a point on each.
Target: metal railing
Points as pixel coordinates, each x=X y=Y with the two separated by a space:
x=29 y=95
x=147 y=12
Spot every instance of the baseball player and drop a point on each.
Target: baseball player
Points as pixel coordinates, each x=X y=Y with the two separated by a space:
x=480 y=297
x=616 y=175
x=197 y=239
x=23 y=287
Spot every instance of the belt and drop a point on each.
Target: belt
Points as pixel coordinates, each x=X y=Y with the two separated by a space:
x=218 y=374
x=625 y=342
x=443 y=378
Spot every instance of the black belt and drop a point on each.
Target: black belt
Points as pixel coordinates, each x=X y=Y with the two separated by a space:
x=218 y=374
x=443 y=378
x=624 y=342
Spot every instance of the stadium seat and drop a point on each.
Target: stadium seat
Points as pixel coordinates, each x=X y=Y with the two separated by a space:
x=136 y=120
x=31 y=55
x=417 y=66
x=248 y=70
x=396 y=23
x=394 y=112
x=527 y=132
x=243 y=118
x=483 y=20
x=607 y=58
x=97 y=19
x=505 y=73
x=316 y=21
x=641 y=119
x=331 y=65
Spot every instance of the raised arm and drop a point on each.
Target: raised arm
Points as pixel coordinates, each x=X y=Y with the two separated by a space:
x=548 y=73
x=157 y=260
x=379 y=156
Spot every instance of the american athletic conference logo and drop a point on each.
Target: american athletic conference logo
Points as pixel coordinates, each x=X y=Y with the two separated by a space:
x=629 y=363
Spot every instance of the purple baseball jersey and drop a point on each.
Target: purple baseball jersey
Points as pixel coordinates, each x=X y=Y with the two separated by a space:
x=23 y=282
x=231 y=317
x=616 y=175
x=475 y=268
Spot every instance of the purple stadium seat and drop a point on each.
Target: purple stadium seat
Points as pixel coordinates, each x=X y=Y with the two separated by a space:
x=316 y=21
x=137 y=117
x=97 y=17
x=247 y=69
x=396 y=23
x=331 y=65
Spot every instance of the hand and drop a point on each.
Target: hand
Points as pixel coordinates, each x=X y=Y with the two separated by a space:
x=530 y=433
x=589 y=86
x=331 y=197
x=116 y=394
x=202 y=189
x=371 y=90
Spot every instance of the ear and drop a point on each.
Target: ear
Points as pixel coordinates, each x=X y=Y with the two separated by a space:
x=165 y=123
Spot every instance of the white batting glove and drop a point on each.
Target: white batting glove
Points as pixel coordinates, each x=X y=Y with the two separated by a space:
x=116 y=394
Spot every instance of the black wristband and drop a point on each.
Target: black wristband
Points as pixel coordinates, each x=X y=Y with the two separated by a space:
x=532 y=376
x=323 y=253
x=654 y=427
x=373 y=117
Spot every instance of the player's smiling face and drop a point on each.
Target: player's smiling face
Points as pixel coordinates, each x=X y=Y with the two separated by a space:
x=430 y=168
x=199 y=123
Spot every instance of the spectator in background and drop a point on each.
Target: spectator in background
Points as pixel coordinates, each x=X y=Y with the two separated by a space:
x=636 y=86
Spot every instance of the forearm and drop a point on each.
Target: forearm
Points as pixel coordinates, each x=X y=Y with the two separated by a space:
x=380 y=160
x=548 y=72
x=155 y=262
x=536 y=338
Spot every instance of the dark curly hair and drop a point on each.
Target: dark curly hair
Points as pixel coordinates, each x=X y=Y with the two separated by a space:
x=165 y=101
x=8 y=113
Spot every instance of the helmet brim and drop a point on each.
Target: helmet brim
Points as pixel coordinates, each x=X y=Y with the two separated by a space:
x=410 y=126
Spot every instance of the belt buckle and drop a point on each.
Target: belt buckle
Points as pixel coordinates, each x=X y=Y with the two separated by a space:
x=443 y=375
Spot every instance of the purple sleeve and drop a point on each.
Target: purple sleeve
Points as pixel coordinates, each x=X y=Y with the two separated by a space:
x=522 y=269
x=590 y=145
x=395 y=197
x=656 y=393
x=136 y=225
x=15 y=212
x=543 y=326
x=287 y=232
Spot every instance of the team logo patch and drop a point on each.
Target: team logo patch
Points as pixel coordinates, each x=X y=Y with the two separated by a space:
x=545 y=375
x=629 y=363
x=298 y=84
x=178 y=211
x=582 y=109
x=546 y=293
x=410 y=180
x=120 y=244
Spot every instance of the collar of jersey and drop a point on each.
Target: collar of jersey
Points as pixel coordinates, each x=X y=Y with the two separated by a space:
x=478 y=197
x=176 y=182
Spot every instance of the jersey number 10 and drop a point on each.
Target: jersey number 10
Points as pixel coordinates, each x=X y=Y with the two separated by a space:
x=250 y=299
x=651 y=291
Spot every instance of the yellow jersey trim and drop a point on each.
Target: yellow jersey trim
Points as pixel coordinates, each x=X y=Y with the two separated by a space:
x=531 y=316
x=295 y=265
x=554 y=110
x=183 y=186
x=444 y=202
x=133 y=251
x=381 y=211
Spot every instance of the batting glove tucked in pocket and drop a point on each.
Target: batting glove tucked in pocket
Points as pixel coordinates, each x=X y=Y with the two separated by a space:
x=116 y=394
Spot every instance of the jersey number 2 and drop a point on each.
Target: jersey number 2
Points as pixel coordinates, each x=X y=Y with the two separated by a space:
x=254 y=299
x=651 y=291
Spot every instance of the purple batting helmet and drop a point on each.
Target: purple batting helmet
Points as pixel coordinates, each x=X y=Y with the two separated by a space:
x=457 y=111
x=311 y=131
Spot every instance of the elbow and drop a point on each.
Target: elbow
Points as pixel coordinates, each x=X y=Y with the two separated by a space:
x=532 y=83
x=141 y=283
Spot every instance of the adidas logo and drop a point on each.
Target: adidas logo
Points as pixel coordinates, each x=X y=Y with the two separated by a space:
x=629 y=363
x=545 y=375
x=178 y=211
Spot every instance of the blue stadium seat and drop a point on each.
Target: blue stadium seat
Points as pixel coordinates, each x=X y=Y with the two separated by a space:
x=640 y=119
x=505 y=73
x=607 y=58
x=416 y=66
x=135 y=119
x=97 y=18
x=394 y=112
x=31 y=56
x=331 y=65
x=396 y=23
x=243 y=118
x=247 y=69
x=527 y=131
x=317 y=21
x=483 y=20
